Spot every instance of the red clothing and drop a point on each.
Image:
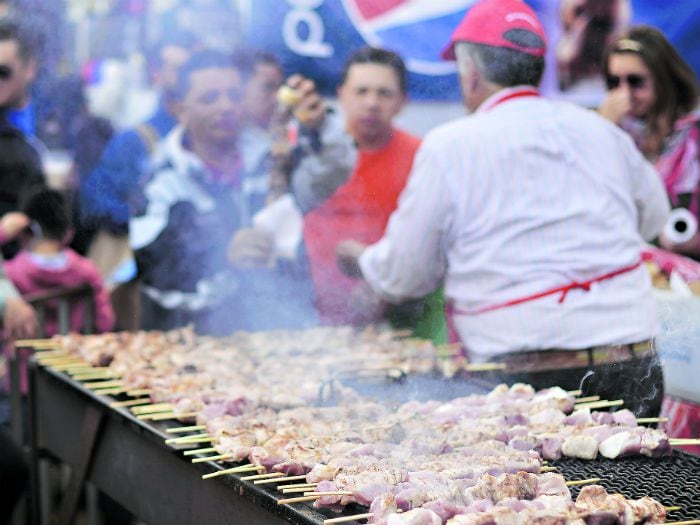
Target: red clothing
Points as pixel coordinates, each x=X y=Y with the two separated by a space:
x=359 y=210
x=683 y=421
x=29 y=276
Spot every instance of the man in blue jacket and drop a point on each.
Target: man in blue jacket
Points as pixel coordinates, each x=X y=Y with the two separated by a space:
x=104 y=194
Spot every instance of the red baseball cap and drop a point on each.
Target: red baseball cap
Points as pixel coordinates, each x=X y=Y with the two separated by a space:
x=500 y=23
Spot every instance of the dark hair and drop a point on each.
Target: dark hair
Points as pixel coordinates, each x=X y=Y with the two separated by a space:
x=375 y=55
x=181 y=39
x=674 y=80
x=50 y=210
x=508 y=67
x=247 y=59
x=11 y=29
x=259 y=57
x=209 y=59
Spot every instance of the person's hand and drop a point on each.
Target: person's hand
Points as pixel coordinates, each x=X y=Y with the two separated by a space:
x=12 y=224
x=366 y=306
x=19 y=321
x=347 y=253
x=251 y=248
x=309 y=108
x=616 y=105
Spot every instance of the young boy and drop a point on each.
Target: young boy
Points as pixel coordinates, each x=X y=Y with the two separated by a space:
x=46 y=263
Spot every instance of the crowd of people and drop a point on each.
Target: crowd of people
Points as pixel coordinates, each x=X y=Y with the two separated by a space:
x=517 y=229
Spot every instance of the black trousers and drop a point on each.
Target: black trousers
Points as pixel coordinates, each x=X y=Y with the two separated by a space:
x=639 y=382
x=14 y=475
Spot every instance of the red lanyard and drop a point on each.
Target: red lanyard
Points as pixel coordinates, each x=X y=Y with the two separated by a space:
x=519 y=93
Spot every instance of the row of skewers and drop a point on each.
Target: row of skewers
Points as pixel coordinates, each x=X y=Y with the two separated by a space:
x=516 y=418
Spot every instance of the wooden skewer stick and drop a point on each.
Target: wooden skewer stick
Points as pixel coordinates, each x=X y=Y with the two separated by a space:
x=300 y=489
x=601 y=404
x=194 y=441
x=110 y=391
x=148 y=417
x=277 y=480
x=684 y=441
x=574 y=393
x=671 y=509
x=130 y=402
x=172 y=415
x=36 y=343
x=57 y=361
x=484 y=367
x=154 y=408
x=233 y=470
x=65 y=366
x=212 y=458
x=93 y=376
x=587 y=399
x=185 y=439
x=652 y=419
x=296 y=500
x=296 y=486
x=154 y=405
x=73 y=363
x=93 y=370
x=102 y=384
x=330 y=493
x=687 y=522
x=47 y=347
x=548 y=469
x=263 y=476
x=582 y=482
x=191 y=428
x=198 y=451
x=139 y=392
x=344 y=519
x=53 y=355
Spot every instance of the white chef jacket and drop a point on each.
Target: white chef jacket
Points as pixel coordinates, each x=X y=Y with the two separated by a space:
x=524 y=196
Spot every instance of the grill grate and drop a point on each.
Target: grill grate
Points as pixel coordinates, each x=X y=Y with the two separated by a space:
x=673 y=481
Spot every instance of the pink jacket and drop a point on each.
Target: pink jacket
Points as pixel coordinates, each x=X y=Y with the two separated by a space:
x=28 y=276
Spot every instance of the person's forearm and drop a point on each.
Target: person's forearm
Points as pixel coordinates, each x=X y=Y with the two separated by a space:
x=7 y=290
x=323 y=170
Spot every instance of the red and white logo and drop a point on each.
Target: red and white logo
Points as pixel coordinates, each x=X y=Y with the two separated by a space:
x=416 y=29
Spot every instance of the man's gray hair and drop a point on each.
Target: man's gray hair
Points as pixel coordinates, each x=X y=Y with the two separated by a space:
x=500 y=65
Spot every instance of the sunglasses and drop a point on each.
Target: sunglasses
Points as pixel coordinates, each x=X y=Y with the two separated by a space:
x=6 y=72
x=633 y=81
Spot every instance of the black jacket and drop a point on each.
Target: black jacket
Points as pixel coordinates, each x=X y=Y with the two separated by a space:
x=20 y=168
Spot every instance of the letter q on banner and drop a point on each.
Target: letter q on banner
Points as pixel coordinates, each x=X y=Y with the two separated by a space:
x=303 y=29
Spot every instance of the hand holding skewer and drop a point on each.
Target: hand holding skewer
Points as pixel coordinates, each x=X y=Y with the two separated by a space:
x=301 y=96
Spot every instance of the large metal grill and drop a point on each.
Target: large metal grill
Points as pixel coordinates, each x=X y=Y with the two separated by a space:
x=673 y=481
x=132 y=463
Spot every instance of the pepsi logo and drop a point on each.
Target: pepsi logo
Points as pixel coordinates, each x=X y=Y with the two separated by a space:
x=416 y=29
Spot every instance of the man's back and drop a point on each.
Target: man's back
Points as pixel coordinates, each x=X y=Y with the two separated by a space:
x=530 y=196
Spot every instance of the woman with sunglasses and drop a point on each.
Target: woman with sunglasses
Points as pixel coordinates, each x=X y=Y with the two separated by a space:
x=653 y=94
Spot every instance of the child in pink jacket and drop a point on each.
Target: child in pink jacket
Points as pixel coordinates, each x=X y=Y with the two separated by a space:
x=45 y=263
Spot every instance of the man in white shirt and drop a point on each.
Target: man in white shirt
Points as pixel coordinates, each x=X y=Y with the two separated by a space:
x=533 y=213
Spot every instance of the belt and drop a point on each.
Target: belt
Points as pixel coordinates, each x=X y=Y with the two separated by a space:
x=557 y=359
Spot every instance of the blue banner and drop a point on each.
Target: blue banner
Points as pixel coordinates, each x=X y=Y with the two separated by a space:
x=315 y=37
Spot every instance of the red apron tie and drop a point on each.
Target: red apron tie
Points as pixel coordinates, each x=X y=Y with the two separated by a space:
x=563 y=290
